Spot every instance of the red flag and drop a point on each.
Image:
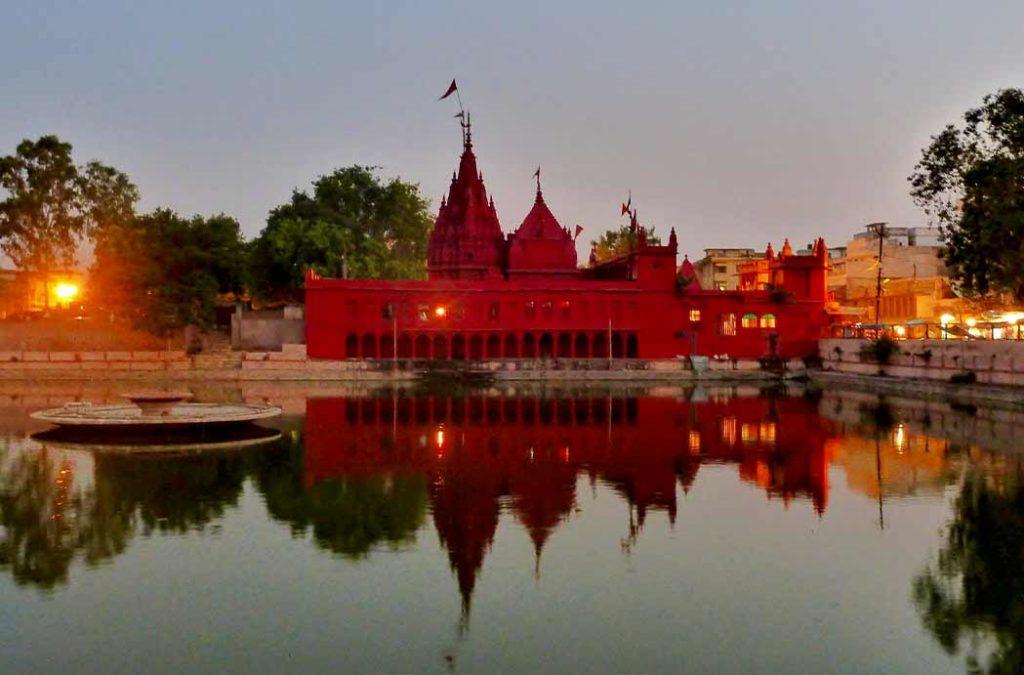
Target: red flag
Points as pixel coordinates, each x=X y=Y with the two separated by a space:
x=625 y=210
x=579 y=228
x=536 y=174
x=452 y=88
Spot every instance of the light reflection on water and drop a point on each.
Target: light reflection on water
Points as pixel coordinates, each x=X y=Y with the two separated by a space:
x=668 y=530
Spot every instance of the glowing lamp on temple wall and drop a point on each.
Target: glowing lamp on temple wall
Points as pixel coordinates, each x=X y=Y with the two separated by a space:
x=440 y=311
x=901 y=331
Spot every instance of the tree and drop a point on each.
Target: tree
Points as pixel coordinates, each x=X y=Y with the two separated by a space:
x=353 y=225
x=970 y=181
x=51 y=203
x=164 y=271
x=973 y=594
x=618 y=242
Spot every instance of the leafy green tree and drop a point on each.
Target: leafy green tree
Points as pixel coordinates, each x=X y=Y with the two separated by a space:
x=617 y=242
x=164 y=271
x=973 y=595
x=353 y=225
x=347 y=515
x=51 y=204
x=970 y=180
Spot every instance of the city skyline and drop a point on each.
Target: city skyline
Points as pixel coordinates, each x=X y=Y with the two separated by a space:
x=734 y=125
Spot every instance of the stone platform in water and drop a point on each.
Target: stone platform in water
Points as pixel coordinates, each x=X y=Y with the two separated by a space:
x=159 y=410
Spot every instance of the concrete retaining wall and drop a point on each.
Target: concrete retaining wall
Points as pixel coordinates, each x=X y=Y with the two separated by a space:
x=292 y=363
x=992 y=362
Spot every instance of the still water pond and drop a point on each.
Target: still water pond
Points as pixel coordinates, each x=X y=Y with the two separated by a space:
x=504 y=531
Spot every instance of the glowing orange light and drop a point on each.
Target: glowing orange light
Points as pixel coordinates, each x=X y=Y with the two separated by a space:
x=440 y=311
x=65 y=291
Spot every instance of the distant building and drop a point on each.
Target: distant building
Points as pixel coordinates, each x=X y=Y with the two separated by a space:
x=915 y=282
x=23 y=293
x=719 y=269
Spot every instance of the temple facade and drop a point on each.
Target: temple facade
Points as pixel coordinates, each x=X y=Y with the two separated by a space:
x=522 y=295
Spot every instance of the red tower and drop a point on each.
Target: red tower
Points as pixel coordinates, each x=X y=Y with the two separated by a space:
x=466 y=242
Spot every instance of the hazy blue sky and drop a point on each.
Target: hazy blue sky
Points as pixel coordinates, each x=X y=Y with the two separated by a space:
x=735 y=122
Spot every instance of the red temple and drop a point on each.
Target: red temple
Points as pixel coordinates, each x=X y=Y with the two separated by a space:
x=523 y=296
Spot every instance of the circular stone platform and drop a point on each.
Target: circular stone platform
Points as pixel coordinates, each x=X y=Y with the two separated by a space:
x=153 y=442
x=175 y=416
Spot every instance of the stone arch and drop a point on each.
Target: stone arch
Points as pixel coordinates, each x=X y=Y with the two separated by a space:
x=564 y=350
x=387 y=346
x=511 y=346
x=459 y=348
x=494 y=346
x=632 y=346
x=421 y=347
x=617 y=345
x=529 y=346
x=404 y=346
x=352 y=346
x=440 y=347
x=547 y=346
x=600 y=350
x=582 y=346
x=476 y=347
x=369 y=346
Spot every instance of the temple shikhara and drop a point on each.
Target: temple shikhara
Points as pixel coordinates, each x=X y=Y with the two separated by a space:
x=523 y=295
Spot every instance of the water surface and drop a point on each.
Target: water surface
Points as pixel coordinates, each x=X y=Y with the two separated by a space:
x=664 y=530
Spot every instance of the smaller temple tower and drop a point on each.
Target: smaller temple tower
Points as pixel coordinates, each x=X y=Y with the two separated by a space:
x=541 y=245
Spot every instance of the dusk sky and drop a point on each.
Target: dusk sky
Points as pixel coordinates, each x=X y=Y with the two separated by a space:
x=735 y=122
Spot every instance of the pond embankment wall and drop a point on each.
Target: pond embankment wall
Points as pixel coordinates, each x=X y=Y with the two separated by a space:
x=292 y=363
x=999 y=362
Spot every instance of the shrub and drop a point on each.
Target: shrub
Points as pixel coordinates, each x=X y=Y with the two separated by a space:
x=812 y=360
x=966 y=377
x=879 y=351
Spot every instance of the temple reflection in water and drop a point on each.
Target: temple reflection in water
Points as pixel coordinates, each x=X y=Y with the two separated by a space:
x=481 y=453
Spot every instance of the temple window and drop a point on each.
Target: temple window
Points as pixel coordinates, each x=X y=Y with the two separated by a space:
x=694 y=441
x=768 y=321
x=748 y=433
x=531 y=309
x=749 y=321
x=694 y=316
x=387 y=310
x=728 y=428
x=728 y=324
x=422 y=312
x=548 y=309
x=566 y=308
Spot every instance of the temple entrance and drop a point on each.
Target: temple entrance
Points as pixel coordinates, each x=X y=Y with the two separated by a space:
x=547 y=346
x=564 y=346
x=632 y=346
x=440 y=348
x=582 y=346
